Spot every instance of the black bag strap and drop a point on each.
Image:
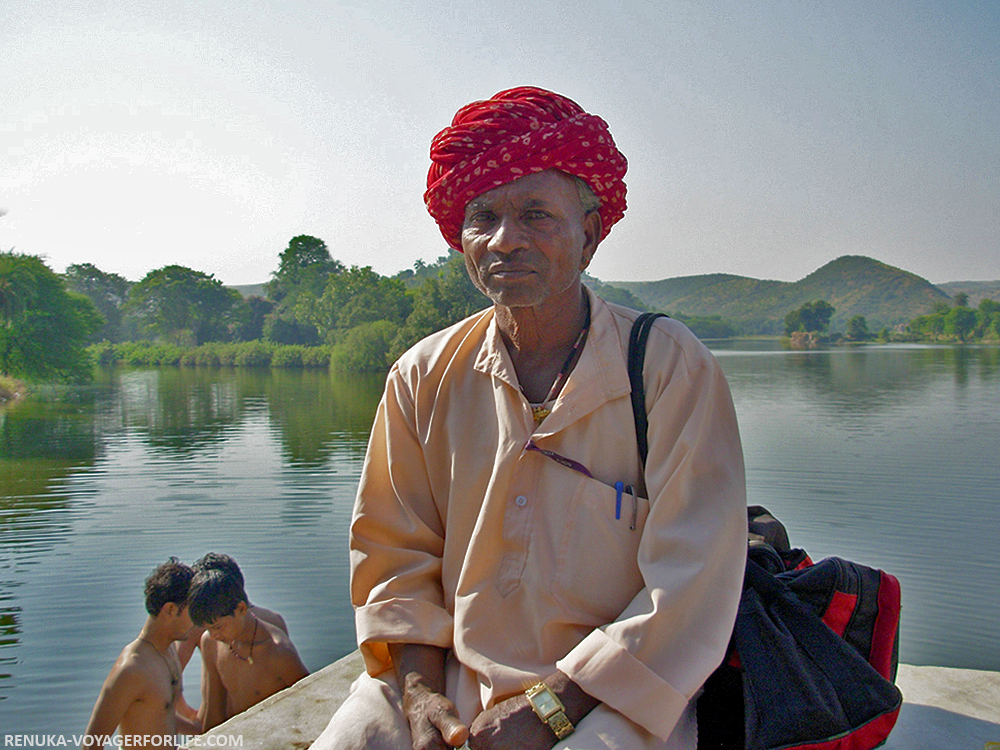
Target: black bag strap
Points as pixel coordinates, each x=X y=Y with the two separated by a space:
x=636 y=356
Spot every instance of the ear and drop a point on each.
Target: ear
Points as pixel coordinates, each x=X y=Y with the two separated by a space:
x=241 y=609
x=592 y=230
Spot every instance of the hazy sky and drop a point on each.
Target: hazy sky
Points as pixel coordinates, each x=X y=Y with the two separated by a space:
x=763 y=138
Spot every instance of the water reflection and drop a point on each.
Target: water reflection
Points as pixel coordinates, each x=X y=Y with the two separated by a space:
x=856 y=381
x=315 y=411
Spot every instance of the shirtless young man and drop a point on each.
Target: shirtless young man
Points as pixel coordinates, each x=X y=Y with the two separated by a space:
x=185 y=649
x=244 y=658
x=141 y=693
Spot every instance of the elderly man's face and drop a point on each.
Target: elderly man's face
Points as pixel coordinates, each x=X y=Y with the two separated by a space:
x=527 y=241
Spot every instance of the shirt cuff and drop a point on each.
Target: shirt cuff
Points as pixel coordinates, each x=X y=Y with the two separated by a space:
x=399 y=621
x=607 y=671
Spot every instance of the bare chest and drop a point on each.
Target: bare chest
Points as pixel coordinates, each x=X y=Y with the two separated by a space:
x=247 y=680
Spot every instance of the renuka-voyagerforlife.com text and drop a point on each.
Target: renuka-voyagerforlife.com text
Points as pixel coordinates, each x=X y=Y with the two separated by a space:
x=117 y=740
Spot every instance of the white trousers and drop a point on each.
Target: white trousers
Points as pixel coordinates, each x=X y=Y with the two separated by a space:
x=371 y=718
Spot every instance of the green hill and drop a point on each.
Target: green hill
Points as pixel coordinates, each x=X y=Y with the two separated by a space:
x=854 y=285
x=250 y=290
x=977 y=290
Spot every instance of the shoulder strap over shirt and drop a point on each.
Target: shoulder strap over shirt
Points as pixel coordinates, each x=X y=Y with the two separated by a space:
x=636 y=357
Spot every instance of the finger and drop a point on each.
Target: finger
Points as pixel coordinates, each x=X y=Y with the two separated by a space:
x=454 y=732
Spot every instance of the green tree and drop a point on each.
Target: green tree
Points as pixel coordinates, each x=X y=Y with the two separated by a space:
x=43 y=326
x=353 y=297
x=988 y=306
x=108 y=292
x=303 y=270
x=365 y=348
x=857 y=328
x=929 y=326
x=960 y=322
x=184 y=307
x=304 y=266
x=811 y=317
x=987 y=318
x=251 y=325
x=438 y=302
x=961 y=299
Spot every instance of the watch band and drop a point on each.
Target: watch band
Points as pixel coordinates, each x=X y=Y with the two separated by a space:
x=550 y=709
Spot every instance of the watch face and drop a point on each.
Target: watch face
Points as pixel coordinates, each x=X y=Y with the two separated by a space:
x=545 y=702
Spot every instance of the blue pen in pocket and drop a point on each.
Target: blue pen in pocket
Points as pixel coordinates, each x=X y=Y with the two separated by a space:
x=619 y=489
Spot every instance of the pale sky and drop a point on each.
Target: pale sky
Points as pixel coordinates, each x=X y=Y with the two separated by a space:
x=764 y=138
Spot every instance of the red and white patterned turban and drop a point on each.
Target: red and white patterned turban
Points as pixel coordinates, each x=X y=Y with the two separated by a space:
x=513 y=134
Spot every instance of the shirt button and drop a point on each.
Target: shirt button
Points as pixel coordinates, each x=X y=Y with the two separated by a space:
x=521 y=501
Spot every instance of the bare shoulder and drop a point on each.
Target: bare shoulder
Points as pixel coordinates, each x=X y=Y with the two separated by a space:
x=132 y=672
x=282 y=655
x=279 y=641
x=269 y=616
x=209 y=647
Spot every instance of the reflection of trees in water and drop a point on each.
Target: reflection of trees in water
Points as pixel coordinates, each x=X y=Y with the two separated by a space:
x=181 y=411
x=10 y=629
x=184 y=411
x=866 y=380
x=43 y=440
x=317 y=412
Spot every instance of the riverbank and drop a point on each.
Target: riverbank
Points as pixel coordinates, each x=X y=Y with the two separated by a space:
x=943 y=709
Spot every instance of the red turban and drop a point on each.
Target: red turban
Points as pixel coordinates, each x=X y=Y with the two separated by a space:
x=513 y=134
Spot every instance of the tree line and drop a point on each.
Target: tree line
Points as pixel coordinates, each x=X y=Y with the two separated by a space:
x=314 y=312
x=958 y=323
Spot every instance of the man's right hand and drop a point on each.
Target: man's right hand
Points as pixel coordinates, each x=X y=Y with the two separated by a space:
x=434 y=722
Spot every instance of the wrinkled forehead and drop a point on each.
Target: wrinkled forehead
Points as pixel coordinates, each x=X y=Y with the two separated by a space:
x=537 y=189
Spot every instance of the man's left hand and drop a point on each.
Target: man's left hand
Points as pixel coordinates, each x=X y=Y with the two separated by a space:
x=513 y=724
x=510 y=725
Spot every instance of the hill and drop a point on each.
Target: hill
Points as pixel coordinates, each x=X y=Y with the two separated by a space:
x=250 y=290
x=853 y=284
x=977 y=290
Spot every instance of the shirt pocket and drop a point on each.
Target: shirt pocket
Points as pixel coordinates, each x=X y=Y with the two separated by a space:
x=597 y=573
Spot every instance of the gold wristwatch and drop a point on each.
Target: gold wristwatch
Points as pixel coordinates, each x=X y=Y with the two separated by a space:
x=550 y=709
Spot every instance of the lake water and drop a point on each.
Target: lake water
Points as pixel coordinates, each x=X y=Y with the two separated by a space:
x=884 y=455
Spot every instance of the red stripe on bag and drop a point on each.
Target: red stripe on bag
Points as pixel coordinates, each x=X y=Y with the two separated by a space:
x=886 y=626
x=870 y=735
x=838 y=614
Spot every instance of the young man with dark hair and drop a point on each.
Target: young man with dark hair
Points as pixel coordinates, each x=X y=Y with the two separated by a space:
x=245 y=657
x=141 y=693
x=185 y=649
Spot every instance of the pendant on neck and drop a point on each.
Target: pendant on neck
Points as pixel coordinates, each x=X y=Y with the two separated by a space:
x=540 y=413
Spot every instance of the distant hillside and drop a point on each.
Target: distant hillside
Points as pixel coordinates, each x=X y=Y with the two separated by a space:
x=854 y=285
x=250 y=290
x=977 y=290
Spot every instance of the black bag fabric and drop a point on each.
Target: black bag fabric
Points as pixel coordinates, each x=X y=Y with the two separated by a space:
x=814 y=650
x=804 y=686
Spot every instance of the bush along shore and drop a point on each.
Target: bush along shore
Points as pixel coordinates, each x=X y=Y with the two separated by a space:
x=212 y=354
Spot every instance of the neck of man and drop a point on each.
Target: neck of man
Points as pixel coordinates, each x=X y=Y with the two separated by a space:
x=155 y=633
x=539 y=338
x=248 y=632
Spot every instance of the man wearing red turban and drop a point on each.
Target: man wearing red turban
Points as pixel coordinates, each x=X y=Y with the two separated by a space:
x=520 y=580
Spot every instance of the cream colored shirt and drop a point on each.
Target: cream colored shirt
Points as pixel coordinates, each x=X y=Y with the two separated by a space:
x=463 y=538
